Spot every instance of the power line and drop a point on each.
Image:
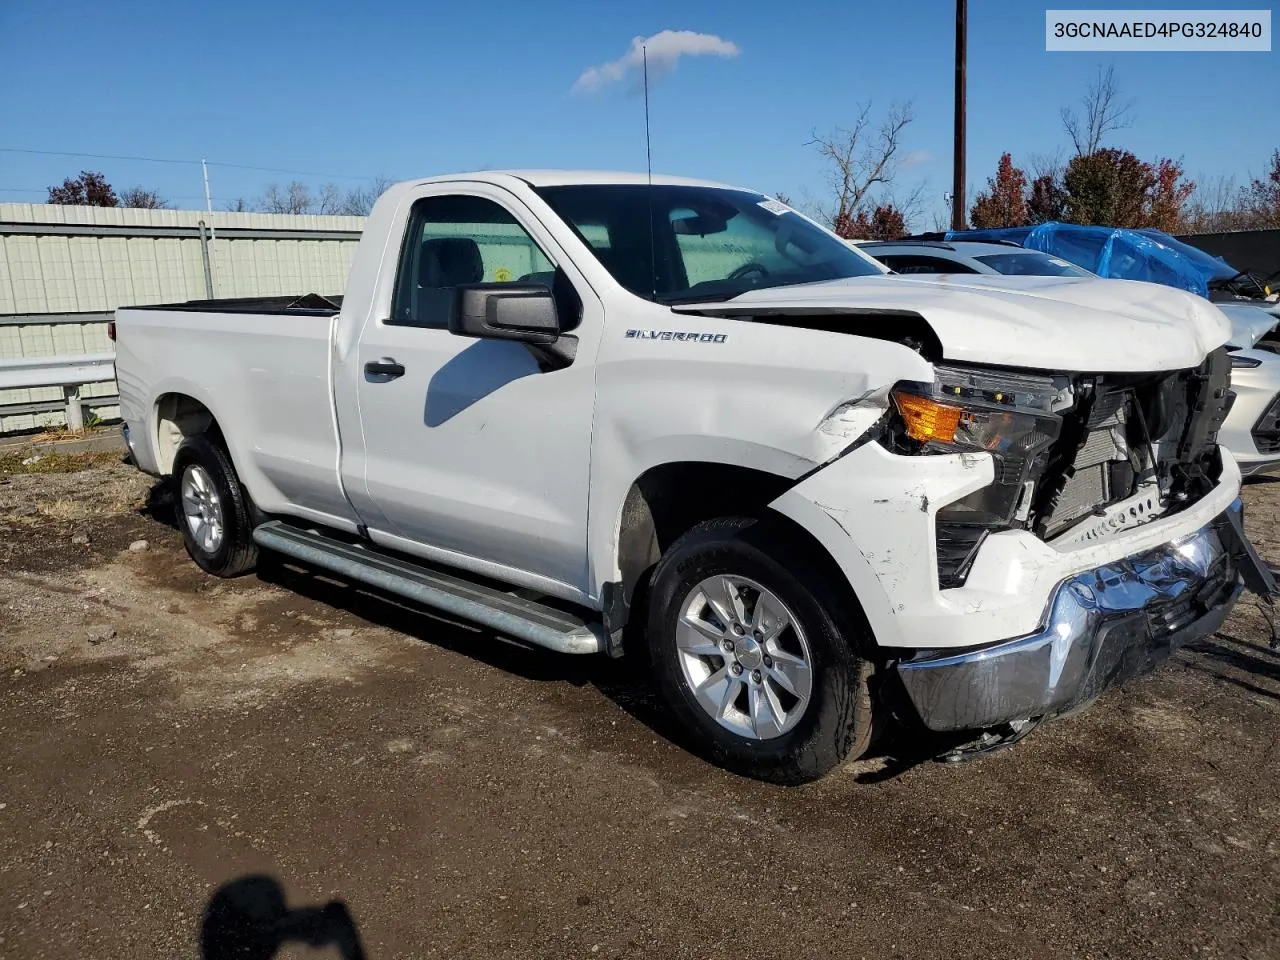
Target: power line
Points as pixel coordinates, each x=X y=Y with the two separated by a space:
x=212 y=163
x=296 y=173
x=91 y=156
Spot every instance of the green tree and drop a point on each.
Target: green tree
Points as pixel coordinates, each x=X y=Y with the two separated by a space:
x=1108 y=187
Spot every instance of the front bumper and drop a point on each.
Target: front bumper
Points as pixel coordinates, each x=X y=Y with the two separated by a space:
x=1104 y=626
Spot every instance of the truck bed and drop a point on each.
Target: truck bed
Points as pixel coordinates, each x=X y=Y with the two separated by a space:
x=309 y=304
x=265 y=362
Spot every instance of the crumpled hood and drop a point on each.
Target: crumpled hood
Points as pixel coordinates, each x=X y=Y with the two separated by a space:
x=1047 y=323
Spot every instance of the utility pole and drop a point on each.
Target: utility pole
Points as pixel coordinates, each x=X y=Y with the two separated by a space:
x=958 y=183
x=208 y=201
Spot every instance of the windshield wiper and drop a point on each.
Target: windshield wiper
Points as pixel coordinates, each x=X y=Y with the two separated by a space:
x=701 y=298
x=1231 y=283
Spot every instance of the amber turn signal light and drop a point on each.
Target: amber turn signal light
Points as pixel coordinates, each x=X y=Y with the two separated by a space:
x=926 y=419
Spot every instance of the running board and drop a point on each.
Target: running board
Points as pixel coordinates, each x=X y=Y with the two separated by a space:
x=505 y=613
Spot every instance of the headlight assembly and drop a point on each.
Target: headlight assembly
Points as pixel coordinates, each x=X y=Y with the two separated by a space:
x=1015 y=417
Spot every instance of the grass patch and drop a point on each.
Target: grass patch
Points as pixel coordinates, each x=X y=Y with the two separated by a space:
x=12 y=465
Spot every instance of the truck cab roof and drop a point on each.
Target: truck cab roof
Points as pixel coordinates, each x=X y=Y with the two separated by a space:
x=562 y=178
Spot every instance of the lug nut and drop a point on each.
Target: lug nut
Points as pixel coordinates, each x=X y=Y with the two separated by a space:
x=768 y=661
x=728 y=646
x=737 y=628
x=758 y=636
x=736 y=669
x=755 y=675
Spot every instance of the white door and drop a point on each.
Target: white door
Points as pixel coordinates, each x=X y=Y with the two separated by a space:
x=470 y=451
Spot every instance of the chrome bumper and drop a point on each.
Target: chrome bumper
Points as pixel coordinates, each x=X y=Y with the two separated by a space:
x=1104 y=626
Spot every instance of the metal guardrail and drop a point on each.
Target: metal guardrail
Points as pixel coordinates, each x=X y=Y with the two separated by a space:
x=54 y=319
x=69 y=373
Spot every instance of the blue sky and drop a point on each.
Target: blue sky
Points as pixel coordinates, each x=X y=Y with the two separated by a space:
x=406 y=89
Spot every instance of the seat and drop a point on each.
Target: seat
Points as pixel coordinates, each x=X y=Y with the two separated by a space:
x=449 y=262
x=445 y=263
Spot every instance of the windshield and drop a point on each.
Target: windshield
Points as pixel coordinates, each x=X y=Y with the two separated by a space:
x=1031 y=263
x=706 y=243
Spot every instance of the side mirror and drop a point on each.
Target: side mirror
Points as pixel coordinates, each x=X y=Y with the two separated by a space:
x=505 y=311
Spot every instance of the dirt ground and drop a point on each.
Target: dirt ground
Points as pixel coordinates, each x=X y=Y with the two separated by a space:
x=179 y=753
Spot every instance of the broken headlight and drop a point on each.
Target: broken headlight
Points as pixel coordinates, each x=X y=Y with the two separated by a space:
x=1015 y=417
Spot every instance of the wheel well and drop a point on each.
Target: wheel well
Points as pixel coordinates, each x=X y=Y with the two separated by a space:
x=179 y=416
x=668 y=500
x=671 y=498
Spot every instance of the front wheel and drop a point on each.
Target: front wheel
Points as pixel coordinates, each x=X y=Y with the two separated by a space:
x=755 y=655
x=212 y=509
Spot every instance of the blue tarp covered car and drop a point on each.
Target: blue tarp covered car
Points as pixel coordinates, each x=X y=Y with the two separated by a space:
x=1113 y=252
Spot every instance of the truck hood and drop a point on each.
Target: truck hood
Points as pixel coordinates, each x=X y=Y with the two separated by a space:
x=1048 y=323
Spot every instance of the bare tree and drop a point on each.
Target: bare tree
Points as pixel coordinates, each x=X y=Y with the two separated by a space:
x=1104 y=113
x=1046 y=165
x=359 y=201
x=329 y=199
x=142 y=199
x=1215 y=204
x=860 y=158
x=911 y=204
x=294 y=198
x=238 y=205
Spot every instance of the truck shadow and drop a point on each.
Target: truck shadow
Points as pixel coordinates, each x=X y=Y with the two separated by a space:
x=1224 y=656
x=159 y=505
x=623 y=682
x=249 y=919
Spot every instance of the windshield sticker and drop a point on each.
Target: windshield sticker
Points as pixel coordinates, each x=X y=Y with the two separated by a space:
x=682 y=335
x=502 y=275
x=776 y=207
x=1059 y=263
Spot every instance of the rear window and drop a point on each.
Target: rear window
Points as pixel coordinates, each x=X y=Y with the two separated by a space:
x=1031 y=264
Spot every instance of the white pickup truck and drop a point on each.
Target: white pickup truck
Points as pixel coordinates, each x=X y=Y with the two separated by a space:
x=597 y=411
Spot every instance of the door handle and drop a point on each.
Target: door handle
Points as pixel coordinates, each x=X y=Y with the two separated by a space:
x=386 y=367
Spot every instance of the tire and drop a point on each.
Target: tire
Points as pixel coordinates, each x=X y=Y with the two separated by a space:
x=835 y=723
x=202 y=463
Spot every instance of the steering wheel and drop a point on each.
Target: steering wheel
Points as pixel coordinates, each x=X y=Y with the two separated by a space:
x=749 y=268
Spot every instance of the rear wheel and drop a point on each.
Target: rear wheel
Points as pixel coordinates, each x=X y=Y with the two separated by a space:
x=212 y=509
x=754 y=653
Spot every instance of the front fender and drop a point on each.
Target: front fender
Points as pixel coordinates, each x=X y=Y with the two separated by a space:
x=873 y=512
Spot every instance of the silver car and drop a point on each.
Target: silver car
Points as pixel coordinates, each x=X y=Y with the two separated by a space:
x=1252 y=428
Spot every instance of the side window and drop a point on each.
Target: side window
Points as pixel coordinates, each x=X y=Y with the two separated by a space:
x=456 y=240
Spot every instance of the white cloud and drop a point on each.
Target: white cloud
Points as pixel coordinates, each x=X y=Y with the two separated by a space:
x=663 y=49
x=917 y=158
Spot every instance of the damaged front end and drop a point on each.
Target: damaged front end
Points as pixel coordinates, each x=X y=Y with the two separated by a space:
x=1077 y=458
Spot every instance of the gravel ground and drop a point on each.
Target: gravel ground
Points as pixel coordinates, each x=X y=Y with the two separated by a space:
x=180 y=754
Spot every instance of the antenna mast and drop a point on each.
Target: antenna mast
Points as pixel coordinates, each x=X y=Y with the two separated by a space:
x=648 y=162
x=648 y=154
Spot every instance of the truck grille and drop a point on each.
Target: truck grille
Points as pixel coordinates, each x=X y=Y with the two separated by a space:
x=1104 y=451
x=1149 y=437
